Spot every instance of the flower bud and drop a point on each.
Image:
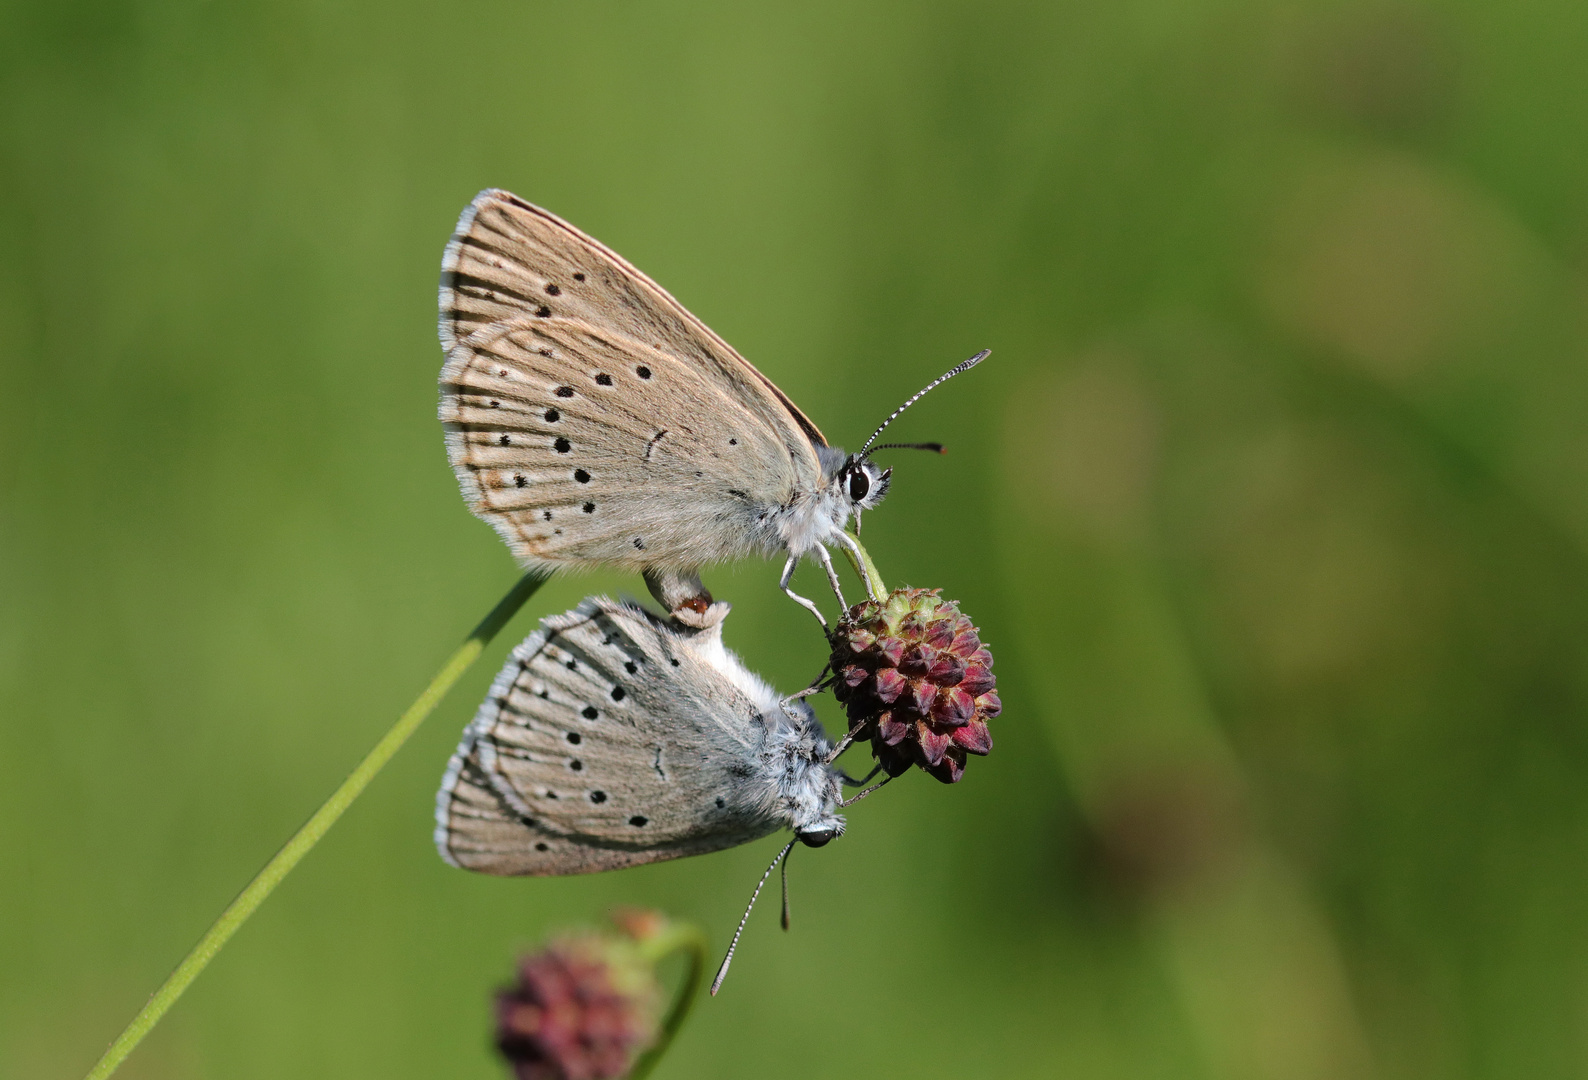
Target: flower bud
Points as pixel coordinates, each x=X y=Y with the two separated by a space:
x=584 y=1007
x=915 y=679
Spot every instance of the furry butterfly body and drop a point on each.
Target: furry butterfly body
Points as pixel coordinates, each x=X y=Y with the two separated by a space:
x=613 y=737
x=592 y=420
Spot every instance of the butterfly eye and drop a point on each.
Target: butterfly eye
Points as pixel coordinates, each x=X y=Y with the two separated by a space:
x=816 y=837
x=859 y=485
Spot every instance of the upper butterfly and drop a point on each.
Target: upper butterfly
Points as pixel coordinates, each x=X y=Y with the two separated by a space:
x=592 y=420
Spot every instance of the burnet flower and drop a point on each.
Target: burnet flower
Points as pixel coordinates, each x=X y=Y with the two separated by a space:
x=583 y=1007
x=914 y=678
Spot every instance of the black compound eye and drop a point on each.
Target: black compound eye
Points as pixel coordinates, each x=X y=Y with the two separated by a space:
x=859 y=485
x=816 y=837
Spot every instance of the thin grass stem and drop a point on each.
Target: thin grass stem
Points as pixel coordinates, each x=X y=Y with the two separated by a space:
x=316 y=827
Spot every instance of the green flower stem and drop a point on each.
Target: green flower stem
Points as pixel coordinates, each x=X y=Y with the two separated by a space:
x=865 y=567
x=316 y=827
x=676 y=937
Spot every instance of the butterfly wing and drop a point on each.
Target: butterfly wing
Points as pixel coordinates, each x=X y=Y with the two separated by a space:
x=608 y=740
x=591 y=418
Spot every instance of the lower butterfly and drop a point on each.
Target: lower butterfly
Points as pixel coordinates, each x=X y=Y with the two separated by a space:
x=614 y=737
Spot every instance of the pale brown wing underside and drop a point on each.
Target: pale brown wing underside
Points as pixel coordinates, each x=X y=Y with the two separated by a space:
x=581 y=446
x=509 y=258
x=606 y=741
x=527 y=293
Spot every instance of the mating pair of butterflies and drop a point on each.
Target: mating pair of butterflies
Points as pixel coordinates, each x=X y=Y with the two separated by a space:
x=593 y=421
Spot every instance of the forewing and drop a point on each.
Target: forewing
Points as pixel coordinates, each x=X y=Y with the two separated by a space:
x=518 y=283
x=606 y=741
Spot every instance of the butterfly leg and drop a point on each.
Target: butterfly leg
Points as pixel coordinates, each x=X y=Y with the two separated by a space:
x=837 y=751
x=850 y=781
x=821 y=683
x=856 y=798
x=832 y=577
x=788 y=574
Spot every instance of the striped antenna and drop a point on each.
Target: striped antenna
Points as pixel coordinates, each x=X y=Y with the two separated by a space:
x=785 y=886
x=928 y=388
x=722 y=972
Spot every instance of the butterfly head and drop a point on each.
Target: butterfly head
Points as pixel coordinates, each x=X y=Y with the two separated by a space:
x=820 y=831
x=863 y=483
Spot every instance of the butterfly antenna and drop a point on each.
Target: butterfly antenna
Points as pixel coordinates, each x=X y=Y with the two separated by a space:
x=935 y=447
x=928 y=388
x=788 y=853
x=722 y=972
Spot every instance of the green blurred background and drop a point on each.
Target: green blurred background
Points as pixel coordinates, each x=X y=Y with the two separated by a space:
x=1273 y=503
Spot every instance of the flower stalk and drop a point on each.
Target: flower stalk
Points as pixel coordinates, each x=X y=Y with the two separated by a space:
x=860 y=559
x=691 y=941
x=303 y=841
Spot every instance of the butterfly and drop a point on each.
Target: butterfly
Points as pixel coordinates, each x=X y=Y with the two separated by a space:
x=613 y=737
x=592 y=420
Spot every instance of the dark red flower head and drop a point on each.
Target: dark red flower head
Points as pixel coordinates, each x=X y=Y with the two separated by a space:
x=916 y=680
x=583 y=1008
